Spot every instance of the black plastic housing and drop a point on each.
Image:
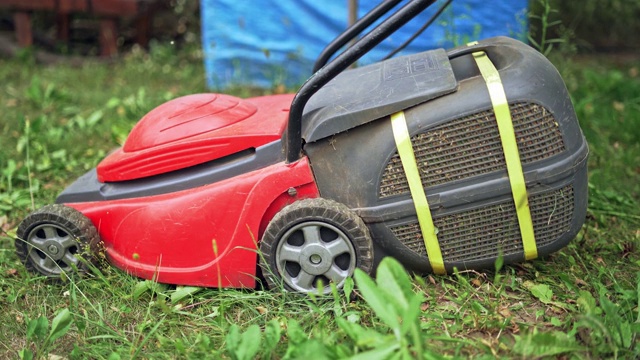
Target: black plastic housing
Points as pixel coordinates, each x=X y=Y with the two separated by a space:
x=457 y=146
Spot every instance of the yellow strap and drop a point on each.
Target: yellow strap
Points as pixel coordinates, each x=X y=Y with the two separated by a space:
x=408 y=159
x=510 y=149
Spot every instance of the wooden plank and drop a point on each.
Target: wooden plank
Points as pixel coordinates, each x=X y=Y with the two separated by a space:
x=114 y=7
x=67 y=6
x=108 y=10
x=29 y=5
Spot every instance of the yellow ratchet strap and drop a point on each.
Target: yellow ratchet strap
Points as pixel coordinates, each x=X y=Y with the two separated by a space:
x=408 y=159
x=510 y=149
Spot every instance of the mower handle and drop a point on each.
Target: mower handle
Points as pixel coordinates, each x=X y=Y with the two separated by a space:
x=353 y=31
x=339 y=64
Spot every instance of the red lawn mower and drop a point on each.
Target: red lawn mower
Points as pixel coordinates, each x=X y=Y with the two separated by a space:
x=442 y=159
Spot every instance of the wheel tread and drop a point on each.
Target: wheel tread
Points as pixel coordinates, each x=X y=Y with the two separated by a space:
x=315 y=209
x=73 y=221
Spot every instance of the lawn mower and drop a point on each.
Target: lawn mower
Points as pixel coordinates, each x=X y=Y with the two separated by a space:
x=443 y=160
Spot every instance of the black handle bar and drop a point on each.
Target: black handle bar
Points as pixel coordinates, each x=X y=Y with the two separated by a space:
x=339 y=64
x=353 y=31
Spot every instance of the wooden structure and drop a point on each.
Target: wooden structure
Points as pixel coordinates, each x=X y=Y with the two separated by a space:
x=107 y=11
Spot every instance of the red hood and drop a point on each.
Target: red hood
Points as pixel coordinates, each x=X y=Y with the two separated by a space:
x=194 y=129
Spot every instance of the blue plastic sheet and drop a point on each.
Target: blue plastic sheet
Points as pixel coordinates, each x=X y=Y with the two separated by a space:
x=269 y=42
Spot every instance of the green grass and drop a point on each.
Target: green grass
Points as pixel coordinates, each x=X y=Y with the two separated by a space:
x=582 y=302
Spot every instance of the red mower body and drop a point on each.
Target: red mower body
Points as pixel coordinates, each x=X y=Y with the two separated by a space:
x=203 y=236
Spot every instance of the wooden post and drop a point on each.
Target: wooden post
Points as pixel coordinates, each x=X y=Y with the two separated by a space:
x=24 y=35
x=108 y=37
x=353 y=17
x=353 y=11
x=143 y=28
x=62 y=26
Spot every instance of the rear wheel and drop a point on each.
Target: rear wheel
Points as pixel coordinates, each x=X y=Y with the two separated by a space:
x=312 y=241
x=51 y=239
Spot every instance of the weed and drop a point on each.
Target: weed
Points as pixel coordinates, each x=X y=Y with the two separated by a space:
x=451 y=34
x=243 y=346
x=544 y=23
x=42 y=337
x=393 y=300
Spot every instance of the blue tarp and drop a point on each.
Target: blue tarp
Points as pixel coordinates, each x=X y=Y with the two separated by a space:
x=270 y=42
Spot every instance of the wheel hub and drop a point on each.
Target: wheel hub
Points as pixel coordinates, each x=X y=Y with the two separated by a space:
x=315 y=259
x=54 y=250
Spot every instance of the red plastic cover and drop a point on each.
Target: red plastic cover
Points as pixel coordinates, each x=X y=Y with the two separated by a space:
x=204 y=236
x=194 y=129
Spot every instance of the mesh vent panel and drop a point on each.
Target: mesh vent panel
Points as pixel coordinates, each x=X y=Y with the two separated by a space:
x=470 y=146
x=482 y=233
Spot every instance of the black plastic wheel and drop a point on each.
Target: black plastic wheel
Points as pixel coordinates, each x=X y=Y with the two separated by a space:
x=50 y=239
x=315 y=240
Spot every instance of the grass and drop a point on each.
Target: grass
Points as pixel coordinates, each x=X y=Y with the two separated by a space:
x=582 y=302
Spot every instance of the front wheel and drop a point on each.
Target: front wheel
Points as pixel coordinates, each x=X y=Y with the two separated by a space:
x=52 y=239
x=313 y=241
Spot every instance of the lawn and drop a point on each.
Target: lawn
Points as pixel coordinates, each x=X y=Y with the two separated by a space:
x=58 y=121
